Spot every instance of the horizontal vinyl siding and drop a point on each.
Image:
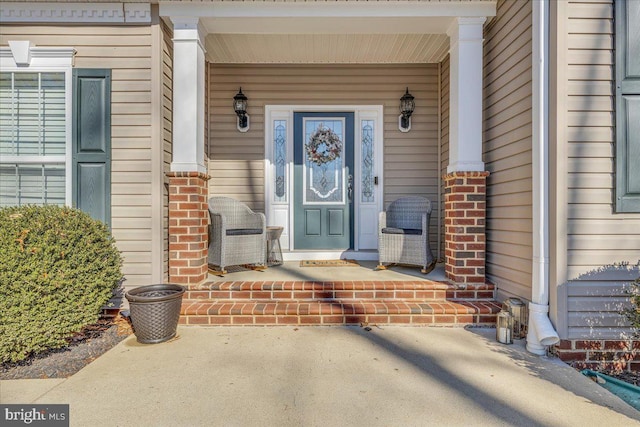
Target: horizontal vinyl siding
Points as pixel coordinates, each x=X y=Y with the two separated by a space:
x=597 y=238
x=126 y=50
x=167 y=136
x=236 y=164
x=507 y=148
x=444 y=136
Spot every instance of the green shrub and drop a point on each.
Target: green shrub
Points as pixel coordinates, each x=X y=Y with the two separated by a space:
x=633 y=313
x=58 y=268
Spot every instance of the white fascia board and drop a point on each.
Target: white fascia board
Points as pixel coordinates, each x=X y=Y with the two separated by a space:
x=98 y=13
x=337 y=9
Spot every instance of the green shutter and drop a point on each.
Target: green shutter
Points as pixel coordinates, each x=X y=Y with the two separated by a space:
x=92 y=142
x=627 y=106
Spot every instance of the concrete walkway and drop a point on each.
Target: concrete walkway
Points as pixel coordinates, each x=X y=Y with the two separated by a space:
x=326 y=376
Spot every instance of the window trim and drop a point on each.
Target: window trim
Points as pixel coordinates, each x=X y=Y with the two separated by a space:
x=625 y=202
x=26 y=58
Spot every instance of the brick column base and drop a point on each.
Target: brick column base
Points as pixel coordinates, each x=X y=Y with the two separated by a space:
x=188 y=227
x=464 y=219
x=610 y=355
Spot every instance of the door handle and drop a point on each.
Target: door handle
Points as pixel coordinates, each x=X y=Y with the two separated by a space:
x=350 y=188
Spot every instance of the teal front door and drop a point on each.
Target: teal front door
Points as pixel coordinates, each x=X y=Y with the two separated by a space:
x=323 y=181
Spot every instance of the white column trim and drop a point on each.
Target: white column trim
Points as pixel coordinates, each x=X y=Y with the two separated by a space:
x=188 y=95
x=465 y=95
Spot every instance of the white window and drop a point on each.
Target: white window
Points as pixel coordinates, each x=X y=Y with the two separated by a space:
x=35 y=124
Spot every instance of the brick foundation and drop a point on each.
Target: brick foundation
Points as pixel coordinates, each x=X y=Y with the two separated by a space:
x=188 y=227
x=614 y=355
x=464 y=219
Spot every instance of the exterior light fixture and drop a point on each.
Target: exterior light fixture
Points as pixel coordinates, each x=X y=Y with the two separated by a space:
x=240 y=107
x=407 y=105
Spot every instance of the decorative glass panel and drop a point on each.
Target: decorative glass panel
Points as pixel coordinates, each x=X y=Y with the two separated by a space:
x=324 y=160
x=31 y=184
x=280 y=159
x=368 y=193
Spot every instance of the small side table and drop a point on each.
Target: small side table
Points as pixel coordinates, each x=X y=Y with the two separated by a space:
x=274 y=250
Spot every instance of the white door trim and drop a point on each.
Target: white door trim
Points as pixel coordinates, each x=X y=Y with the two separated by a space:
x=365 y=214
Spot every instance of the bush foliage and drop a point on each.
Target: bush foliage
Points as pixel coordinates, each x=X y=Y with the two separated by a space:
x=58 y=268
x=633 y=313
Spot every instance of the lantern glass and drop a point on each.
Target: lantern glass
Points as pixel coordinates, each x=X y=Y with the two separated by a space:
x=407 y=104
x=518 y=310
x=504 y=327
x=240 y=103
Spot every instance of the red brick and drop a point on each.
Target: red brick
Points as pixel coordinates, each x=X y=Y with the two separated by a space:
x=571 y=355
x=464 y=319
x=178 y=198
x=198 y=320
x=587 y=345
x=378 y=319
x=400 y=319
x=242 y=320
x=616 y=345
x=266 y=320
x=287 y=320
x=220 y=320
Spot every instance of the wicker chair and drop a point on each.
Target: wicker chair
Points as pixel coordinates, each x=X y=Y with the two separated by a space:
x=403 y=234
x=237 y=235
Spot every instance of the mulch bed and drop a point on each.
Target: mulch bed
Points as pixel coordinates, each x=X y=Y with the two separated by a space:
x=83 y=348
x=628 y=377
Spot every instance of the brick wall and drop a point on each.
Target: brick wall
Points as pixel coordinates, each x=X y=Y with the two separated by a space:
x=465 y=214
x=615 y=355
x=188 y=227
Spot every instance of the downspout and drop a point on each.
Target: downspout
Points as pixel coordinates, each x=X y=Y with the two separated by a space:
x=541 y=332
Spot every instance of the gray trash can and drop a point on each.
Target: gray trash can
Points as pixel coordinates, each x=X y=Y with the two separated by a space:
x=155 y=311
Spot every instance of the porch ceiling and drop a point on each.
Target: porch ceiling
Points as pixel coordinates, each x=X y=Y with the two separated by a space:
x=403 y=31
x=326 y=48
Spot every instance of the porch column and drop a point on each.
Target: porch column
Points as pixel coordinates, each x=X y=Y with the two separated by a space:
x=465 y=181
x=188 y=214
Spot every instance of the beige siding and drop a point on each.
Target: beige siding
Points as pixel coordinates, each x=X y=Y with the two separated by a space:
x=596 y=238
x=126 y=50
x=507 y=147
x=444 y=139
x=411 y=159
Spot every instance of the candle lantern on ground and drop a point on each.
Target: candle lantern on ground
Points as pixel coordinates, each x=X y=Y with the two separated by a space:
x=504 y=327
x=518 y=310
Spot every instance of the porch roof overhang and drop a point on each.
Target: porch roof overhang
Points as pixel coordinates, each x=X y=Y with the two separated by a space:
x=352 y=31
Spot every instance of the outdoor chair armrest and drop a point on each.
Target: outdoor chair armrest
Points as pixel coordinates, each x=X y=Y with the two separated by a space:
x=382 y=221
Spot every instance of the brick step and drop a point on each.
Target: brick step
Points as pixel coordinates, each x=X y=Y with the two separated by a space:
x=339 y=312
x=329 y=291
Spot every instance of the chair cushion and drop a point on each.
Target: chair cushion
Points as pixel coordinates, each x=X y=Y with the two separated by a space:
x=243 y=231
x=392 y=230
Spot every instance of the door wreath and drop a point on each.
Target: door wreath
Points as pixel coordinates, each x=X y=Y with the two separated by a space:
x=324 y=146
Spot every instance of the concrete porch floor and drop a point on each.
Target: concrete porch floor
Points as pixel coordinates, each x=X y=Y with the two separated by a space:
x=291 y=271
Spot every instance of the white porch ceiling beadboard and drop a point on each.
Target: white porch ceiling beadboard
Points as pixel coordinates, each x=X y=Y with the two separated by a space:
x=326 y=48
x=326 y=32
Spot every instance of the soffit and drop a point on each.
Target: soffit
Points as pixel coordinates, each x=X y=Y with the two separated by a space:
x=326 y=48
x=258 y=31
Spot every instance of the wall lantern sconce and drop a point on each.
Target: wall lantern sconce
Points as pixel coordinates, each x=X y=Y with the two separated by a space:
x=240 y=107
x=407 y=105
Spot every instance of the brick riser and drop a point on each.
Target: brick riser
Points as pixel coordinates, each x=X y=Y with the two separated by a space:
x=338 y=303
